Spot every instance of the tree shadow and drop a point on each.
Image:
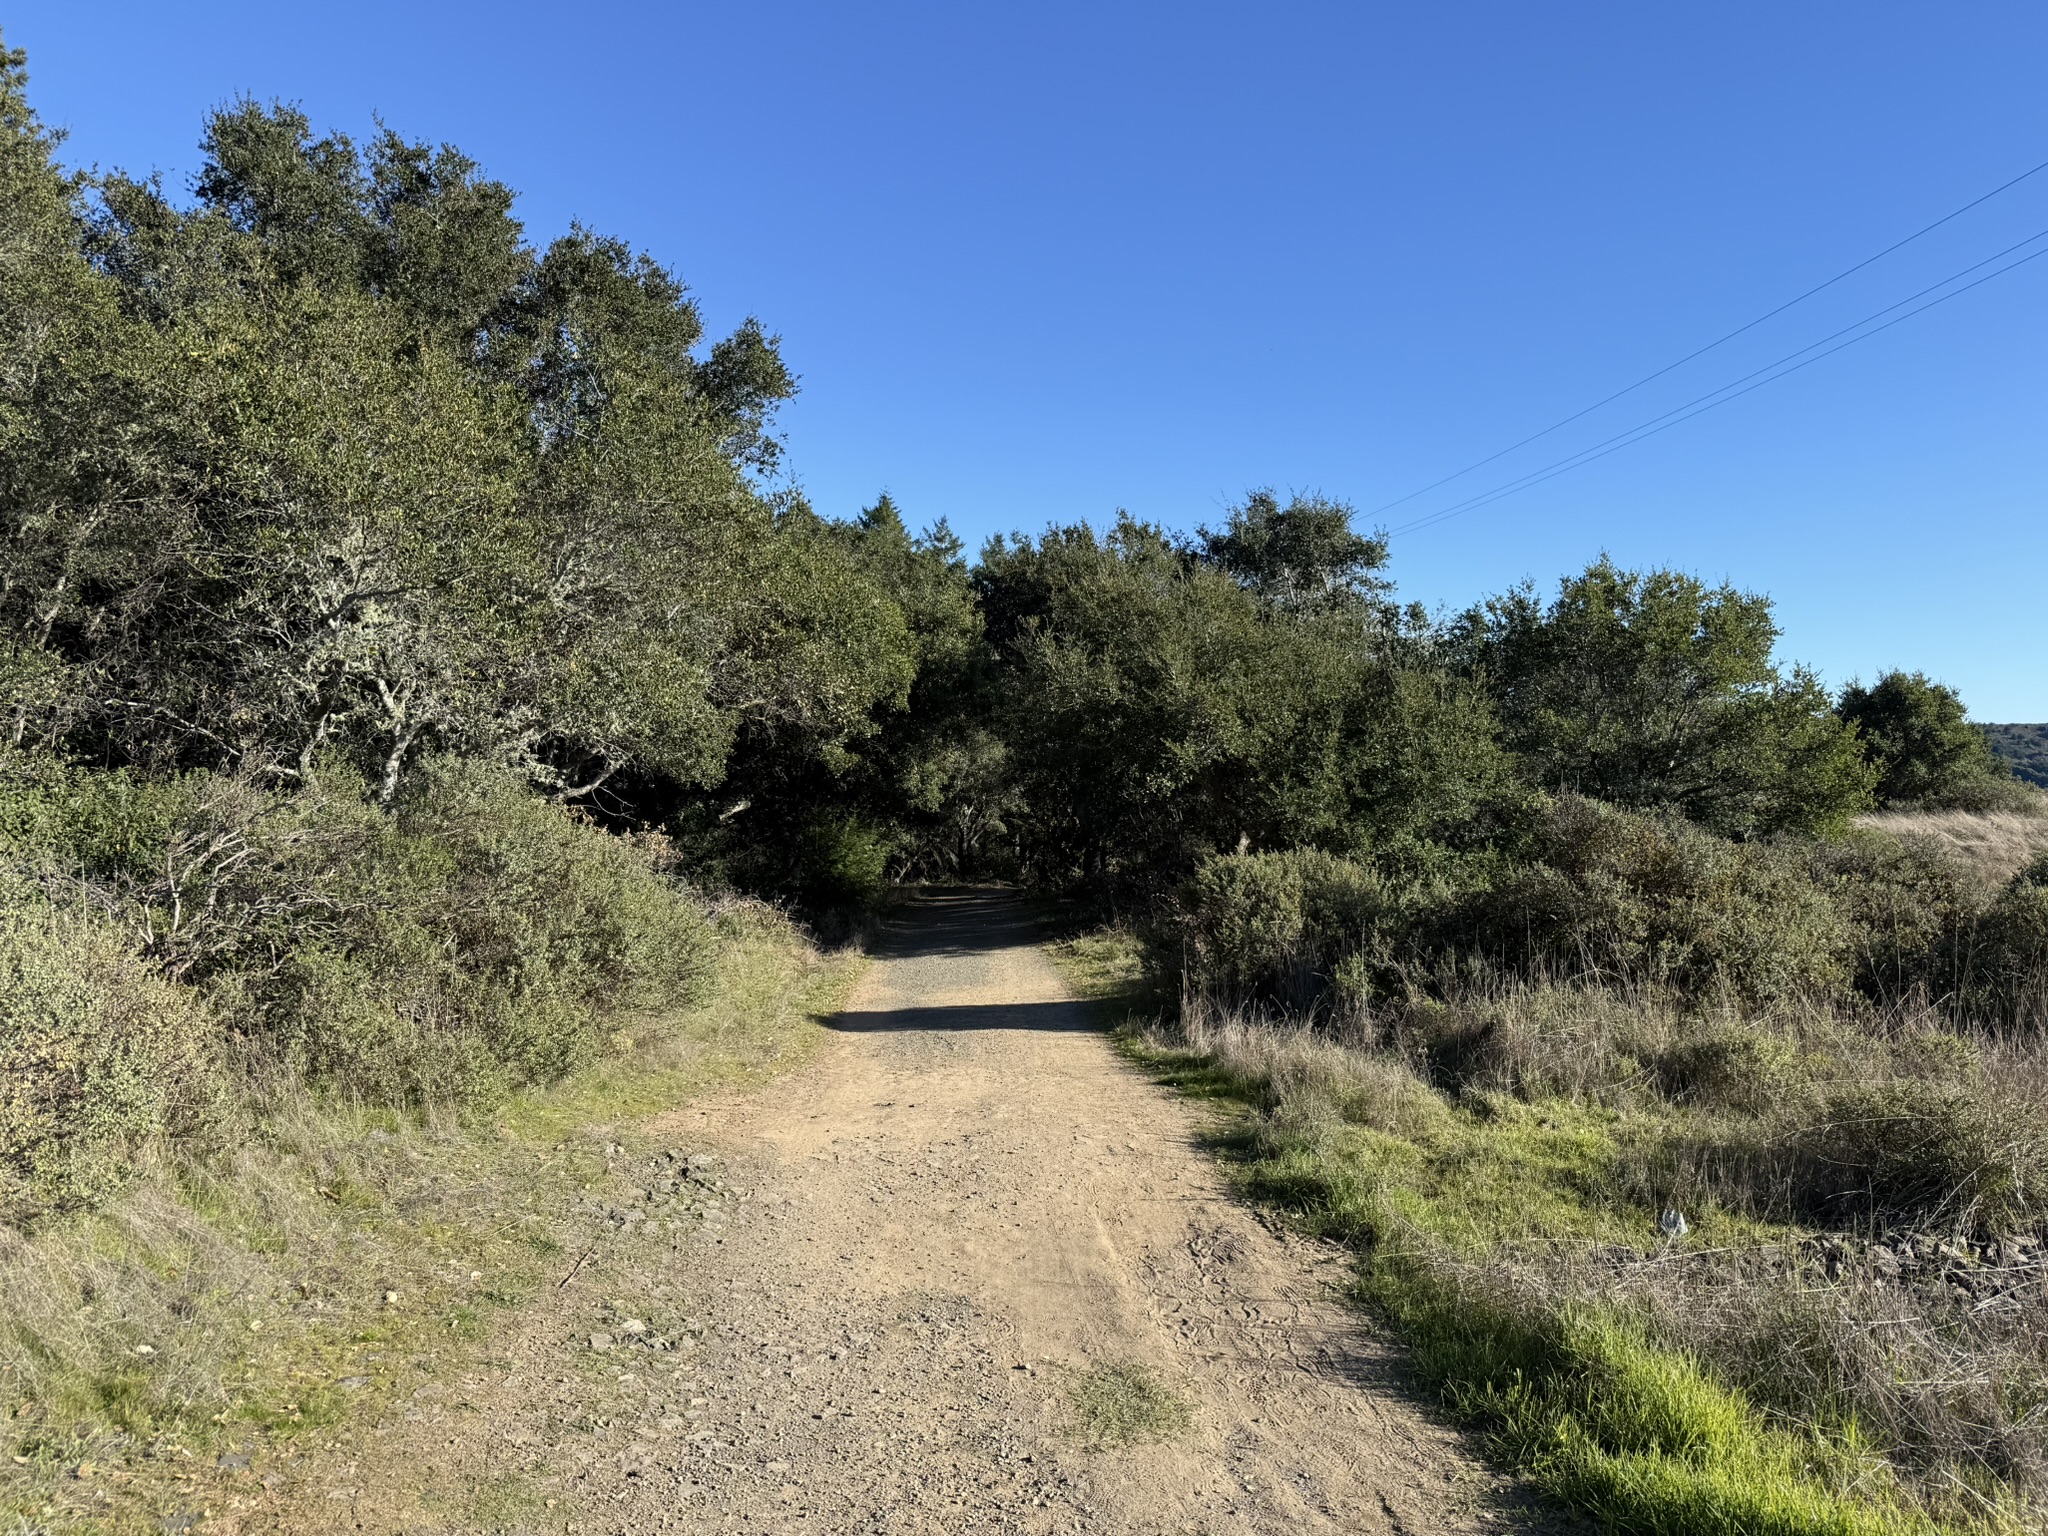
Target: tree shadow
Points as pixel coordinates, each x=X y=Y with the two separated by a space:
x=1054 y=1017
x=948 y=920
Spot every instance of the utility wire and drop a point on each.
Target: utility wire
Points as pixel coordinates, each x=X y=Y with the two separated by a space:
x=1630 y=432
x=1701 y=404
x=1701 y=352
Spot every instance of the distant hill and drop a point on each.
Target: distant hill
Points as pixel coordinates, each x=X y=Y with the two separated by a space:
x=2025 y=747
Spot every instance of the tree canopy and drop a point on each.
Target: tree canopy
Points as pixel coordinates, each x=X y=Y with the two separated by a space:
x=1653 y=690
x=1921 y=741
x=331 y=462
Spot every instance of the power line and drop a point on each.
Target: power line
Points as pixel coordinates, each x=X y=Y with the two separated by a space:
x=1710 y=346
x=1570 y=460
x=1701 y=404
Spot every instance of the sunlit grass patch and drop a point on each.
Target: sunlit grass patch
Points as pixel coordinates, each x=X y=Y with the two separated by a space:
x=1104 y=964
x=1513 y=1242
x=1614 y=1422
x=762 y=1017
x=1121 y=1405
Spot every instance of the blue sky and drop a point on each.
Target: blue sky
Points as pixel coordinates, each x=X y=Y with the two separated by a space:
x=1040 y=262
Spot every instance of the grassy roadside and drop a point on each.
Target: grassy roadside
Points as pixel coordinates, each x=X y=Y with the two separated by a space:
x=229 y=1315
x=1459 y=1210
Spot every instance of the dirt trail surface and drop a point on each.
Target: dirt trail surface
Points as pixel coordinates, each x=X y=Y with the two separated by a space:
x=908 y=1259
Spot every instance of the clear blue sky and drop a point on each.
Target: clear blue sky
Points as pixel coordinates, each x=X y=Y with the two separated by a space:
x=1039 y=262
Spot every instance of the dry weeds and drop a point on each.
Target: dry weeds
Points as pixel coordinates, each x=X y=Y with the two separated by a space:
x=1922 y=1347
x=1994 y=846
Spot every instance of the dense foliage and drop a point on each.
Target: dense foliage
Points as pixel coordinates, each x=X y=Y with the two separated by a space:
x=1655 y=692
x=1920 y=740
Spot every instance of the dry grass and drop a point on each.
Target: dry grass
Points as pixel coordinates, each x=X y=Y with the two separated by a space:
x=338 y=1258
x=1121 y=1405
x=1994 y=846
x=1504 y=1158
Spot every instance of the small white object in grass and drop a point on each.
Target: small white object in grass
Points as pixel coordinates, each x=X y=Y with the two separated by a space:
x=1673 y=1223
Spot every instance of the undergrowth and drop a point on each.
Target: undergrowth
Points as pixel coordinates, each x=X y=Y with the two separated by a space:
x=242 y=1305
x=1750 y=1375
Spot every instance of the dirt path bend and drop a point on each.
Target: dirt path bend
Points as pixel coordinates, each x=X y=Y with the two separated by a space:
x=913 y=1253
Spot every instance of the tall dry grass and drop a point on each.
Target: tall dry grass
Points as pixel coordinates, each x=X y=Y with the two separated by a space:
x=1992 y=845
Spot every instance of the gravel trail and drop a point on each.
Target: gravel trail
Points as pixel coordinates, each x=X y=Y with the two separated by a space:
x=910 y=1257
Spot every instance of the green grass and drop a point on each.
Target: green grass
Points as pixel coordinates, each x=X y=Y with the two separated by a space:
x=1579 y=1398
x=1122 y=1405
x=339 y=1259
x=1636 y=1434
x=1107 y=965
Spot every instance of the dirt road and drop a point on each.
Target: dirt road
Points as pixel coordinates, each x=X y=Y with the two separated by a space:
x=939 y=1269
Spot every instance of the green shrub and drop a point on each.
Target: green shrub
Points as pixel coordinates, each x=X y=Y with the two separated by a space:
x=98 y=1056
x=1243 y=929
x=842 y=862
x=1289 y=927
x=470 y=939
x=1653 y=899
x=2001 y=960
x=478 y=938
x=1734 y=1065
x=1595 y=893
x=91 y=823
x=1903 y=903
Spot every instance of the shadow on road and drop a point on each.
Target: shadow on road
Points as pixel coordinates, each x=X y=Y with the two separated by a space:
x=945 y=920
x=1060 y=1016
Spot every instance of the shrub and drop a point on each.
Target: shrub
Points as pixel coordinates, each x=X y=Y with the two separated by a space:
x=1736 y=1065
x=1653 y=899
x=471 y=938
x=86 y=823
x=2001 y=961
x=1903 y=901
x=1243 y=929
x=1289 y=927
x=98 y=1056
x=842 y=863
x=479 y=938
